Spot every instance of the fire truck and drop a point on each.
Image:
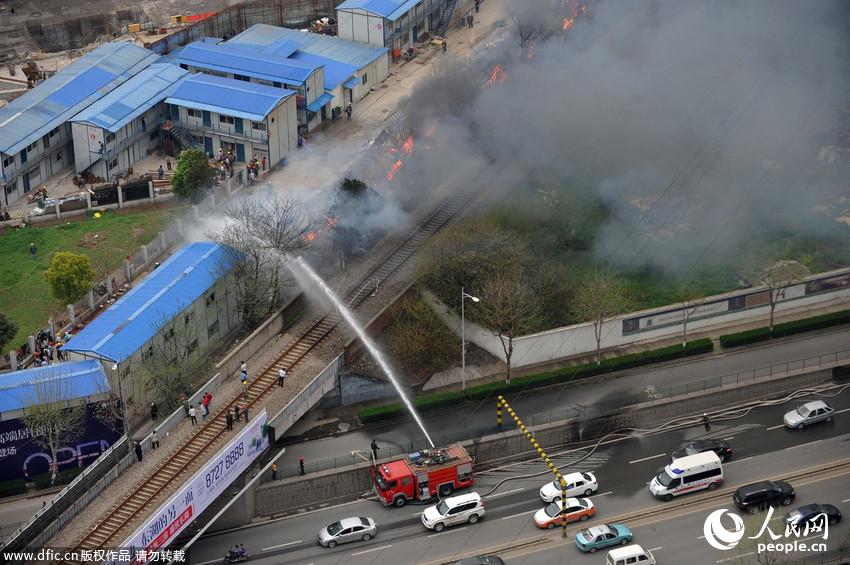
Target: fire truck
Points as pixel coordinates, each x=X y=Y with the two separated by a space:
x=424 y=474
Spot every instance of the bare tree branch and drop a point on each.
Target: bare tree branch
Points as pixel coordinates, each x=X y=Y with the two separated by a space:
x=600 y=296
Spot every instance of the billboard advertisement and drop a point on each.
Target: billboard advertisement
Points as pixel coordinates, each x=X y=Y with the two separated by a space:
x=21 y=457
x=202 y=489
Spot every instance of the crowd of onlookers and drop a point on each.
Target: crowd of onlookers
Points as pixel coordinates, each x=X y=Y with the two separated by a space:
x=46 y=348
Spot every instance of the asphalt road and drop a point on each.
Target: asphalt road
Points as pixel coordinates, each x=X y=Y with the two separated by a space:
x=471 y=421
x=762 y=448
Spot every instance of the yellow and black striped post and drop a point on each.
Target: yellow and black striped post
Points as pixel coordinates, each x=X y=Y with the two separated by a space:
x=552 y=467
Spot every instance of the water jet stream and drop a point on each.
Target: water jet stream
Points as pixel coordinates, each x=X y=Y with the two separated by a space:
x=370 y=345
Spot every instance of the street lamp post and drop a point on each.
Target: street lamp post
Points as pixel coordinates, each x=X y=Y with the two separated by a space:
x=463 y=296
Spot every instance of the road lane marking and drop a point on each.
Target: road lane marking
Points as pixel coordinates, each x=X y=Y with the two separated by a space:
x=504 y=493
x=739 y=460
x=281 y=545
x=768 y=429
x=729 y=438
x=840 y=411
x=518 y=515
x=448 y=532
x=846 y=500
x=648 y=458
x=371 y=550
x=604 y=493
x=804 y=444
x=210 y=562
x=656 y=548
x=701 y=537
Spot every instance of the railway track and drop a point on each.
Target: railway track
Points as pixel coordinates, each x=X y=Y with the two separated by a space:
x=175 y=468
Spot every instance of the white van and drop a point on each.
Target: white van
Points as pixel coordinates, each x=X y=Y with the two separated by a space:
x=630 y=555
x=687 y=474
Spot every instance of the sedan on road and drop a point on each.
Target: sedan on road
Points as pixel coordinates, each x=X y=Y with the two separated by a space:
x=578 y=509
x=346 y=530
x=599 y=537
x=578 y=484
x=809 y=413
x=810 y=514
x=719 y=446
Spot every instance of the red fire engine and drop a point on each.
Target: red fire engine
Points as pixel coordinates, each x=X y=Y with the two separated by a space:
x=421 y=475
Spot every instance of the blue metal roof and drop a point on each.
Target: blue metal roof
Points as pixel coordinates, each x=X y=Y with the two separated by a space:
x=389 y=9
x=133 y=98
x=335 y=72
x=56 y=100
x=123 y=328
x=228 y=96
x=317 y=104
x=352 y=82
x=334 y=48
x=53 y=383
x=241 y=61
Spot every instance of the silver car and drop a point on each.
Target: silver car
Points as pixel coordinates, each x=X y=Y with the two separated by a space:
x=346 y=530
x=809 y=413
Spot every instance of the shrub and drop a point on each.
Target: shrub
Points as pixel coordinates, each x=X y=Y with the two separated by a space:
x=566 y=374
x=786 y=328
x=13 y=487
x=419 y=340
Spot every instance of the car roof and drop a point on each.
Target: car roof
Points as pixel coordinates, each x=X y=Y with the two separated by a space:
x=627 y=551
x=815 y=404
x=603 y=529
x=351 y=522
x=463 y=498
x=574 y=476
x=755 y=487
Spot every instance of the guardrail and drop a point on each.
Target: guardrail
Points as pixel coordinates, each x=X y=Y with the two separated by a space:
x=309 y=396
x=825 y=361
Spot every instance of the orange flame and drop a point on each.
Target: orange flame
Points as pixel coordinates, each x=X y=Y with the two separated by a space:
x=393 y=170
x=407 y=147
x=530 y=53
x=331 y=221
x=431 y=129
x=311 y=236
x=568 y=22
x=497 y=76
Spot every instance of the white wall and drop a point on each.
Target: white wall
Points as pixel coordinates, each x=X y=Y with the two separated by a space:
x=358 y=25
x=87 y=140
x=283 y=131
x=579 y=339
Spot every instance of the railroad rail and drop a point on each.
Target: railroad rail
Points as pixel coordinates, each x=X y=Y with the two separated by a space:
x=177 y=465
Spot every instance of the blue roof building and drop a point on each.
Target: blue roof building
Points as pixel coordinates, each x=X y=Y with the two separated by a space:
x=185 y=282
x=249 y=64
x=338 y=57
x=396 y=24
x=62 y=382
x=124 y=119
x=35 y=140
x=245 y=118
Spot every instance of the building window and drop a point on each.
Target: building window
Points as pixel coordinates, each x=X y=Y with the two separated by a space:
x=169 y=333
x=8 y=162
x=210 y=298
x=226 y=120
x=258 y=125
x=213 y=329
x=11 y=187
x=114 y=163
x=59 y=156
x=196 y=139
x=147 y=353
x=194 y=113
x=109 y=137
x=46 y=140
x=242 y=78
x=365 y=78
x=32 y=146
x=193 y=346
x=153 y=135
x=189 y=317
x=54 y=131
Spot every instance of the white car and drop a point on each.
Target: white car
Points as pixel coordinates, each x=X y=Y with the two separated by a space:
x=453 y=510
x=809 y=413
x=578 y=484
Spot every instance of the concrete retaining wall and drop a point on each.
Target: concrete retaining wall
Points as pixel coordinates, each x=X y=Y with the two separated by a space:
x=288 y=495
x=646 y=326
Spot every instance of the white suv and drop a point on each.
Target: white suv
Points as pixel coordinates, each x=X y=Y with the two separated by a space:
x=454 y=510
x=578 y=485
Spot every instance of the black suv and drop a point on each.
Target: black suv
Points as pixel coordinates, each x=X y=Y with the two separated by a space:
x=720 y=447
x=757 y=496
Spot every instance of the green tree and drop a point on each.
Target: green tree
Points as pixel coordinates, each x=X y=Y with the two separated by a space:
x=8 y=329
x=70 y=275
x=192 y=174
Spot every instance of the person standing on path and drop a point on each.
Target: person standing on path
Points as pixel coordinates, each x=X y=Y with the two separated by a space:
x=168 y=163
x=154 y=440
x=281 y=375
x=477 y=6
x=243 y=368
x=445 y=46
x=185 y=404
x=301 y=463
x=374 y=449
x=274 y=471
x=228 y=418
x=204 y=411
x=706 y=421
x=245 y=412
x=236 y=412
x=160 y=173
x=206 y=401
x=154 y=411
x=33 y=250
x=138 y=449
x=192 y=414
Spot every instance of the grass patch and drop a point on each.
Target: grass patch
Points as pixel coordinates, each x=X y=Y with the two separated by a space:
x=443 y=399
x=25 y=294
x=786 y=328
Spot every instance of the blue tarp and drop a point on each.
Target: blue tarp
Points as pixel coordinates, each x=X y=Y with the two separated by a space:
x=53 y=383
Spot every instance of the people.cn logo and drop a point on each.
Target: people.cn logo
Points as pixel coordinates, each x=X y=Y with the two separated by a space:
x=716 y=533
